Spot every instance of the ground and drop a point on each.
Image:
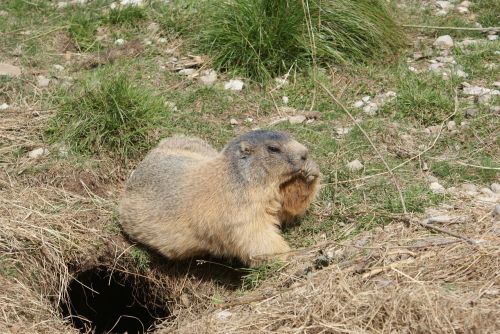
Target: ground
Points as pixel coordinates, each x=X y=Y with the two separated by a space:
x=403 y=238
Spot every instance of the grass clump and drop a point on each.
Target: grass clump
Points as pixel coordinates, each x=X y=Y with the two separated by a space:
x=131 y=16
x=108 y=113
x=265 y=38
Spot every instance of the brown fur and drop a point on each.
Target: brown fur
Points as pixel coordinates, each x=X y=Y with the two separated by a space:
x=186 y=199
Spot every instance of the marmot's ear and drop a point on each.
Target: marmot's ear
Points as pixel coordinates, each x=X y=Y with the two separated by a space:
x=245 y=149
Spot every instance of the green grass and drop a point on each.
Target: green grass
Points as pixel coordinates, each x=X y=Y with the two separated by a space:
x=108 y=113
x=262 y=39
x=255 y=276
x=141 y=258
x=488 y=12
x=130 y=15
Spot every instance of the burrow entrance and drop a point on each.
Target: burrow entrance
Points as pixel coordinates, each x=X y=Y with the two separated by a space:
x=103 y=303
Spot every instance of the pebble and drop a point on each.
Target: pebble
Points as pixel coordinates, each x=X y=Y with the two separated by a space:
x=9 y=70
x=495 y=187
x=37 y=153
x=187 y=71
x=208 y=77
x=469 y=188
x=223 y=315
x=444 y=42
x=162 y=40
x=284 y=99
x=370 y=109
x=131 y=2
x=437 y=188
x=477 y=91
x=42 y=81
x=495 y=110
x=234 y=85
x=249 y=120
x=358 y=104
x=58 y=67
x=297 y=119
x=120 y=41
x=497 y=210
x=342 y=131
x=462 y=10
x=451 y=125
x=492 y=37
x=355 y=165
x=470 y=112
x=366 y=98
x=486 y=191
x=4 y=106
x=444 y=5
x=233 y=121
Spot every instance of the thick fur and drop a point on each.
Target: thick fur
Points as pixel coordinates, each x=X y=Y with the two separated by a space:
x=186 y=199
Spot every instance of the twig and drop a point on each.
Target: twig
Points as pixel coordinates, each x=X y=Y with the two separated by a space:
x=451 y=28
x=445 y=231
x=389 y=170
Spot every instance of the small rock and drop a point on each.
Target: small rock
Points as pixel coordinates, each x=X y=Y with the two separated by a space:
x=492 y=37
x=462 y=10
x=281 y=81
x=366 y=98
x=412 y=69
x=42 y=81
x=342 y=131
x=432 y=179
x=437 y=188
x=370 y=109
x=147 y=41
x=460 y=73
x=495 y=110
x=497 y=210
x=208 y=77
x=496 y=84
x=248 y=120
x=187 y=71
x=451 y=125
x=278 y=120
x=223 y=315
x=120 y=41
x=495 y=187
x=486 y=191
x=4 y=106
x=3 y=13
x=469 y=188
x=476 y=90
x=444 y=42
x=234 y=85
x=358 y=104
x=298 y=119
x=470 y=112
x=355 y=165
x=284 y=99
x=434 y=128
x=484 y=99
x=444 y=5
x=9 y=70
x=58 y=67
x=440 y=219
x=465 y=4
x=63 y=151
x=233 y=122
x=37 y=153
x=162 y=40
x=425 y=167
x=131 y=2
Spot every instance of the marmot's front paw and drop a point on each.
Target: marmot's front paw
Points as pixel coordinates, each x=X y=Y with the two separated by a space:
x=310 y=171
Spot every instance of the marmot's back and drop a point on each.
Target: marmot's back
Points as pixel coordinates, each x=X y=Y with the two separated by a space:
x=186 y=199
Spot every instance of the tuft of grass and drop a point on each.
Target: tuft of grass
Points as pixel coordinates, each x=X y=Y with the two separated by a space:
x=255 y=276
x=264 y=38
x=487 y=12
x=108 y=112
x=454 y=172
x=141 y=258
x=83 y=30
x=130 y=16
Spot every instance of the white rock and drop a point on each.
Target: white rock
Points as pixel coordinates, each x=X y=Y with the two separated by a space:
x=492 y=37
x=451 y=125
x=444 y=42
x=249 y=120
x=460 y=73
x=147 y=41
x=9 y=70
x=234 y=85
x=42 y=81
x=278 y=120
x=58 y=67
x=469 y=188
x=444 y=4
x=208 y=77
x=366 y=98
x=358 y=104
x=486 y=191
x=432 y=179
x=63 y=151
x=131 y=2
x=37 y=153
x=437 y=188
x=412 y=69
x=223 y=315
x=341 y=131
x=162 y=40
x=281 y=81
x=497 y=210
x=462 y=10
x=233 y=121
x=298 y=119
x=370 y=109
x=3 y=13
x=355 y=165
x=284 y=99
x=4 y=106
x=465 y=4
x=120 y=41
x=495 y=187
x=496 y=84
x=187 y=71
x=442 y=12
x=441 y=219
x=476 y=90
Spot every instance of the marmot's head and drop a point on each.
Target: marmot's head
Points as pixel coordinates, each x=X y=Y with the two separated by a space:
x=266 y=156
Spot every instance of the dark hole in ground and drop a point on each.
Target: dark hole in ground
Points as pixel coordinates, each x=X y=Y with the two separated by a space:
x=117 y=303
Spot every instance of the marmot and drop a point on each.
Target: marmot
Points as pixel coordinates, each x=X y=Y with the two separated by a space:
x=186 y=199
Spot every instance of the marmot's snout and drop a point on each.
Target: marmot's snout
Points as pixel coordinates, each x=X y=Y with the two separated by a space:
x=298 y=157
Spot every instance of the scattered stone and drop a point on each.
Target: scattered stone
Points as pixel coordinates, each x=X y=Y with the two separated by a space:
x=298 y=119
x=42 y=81
x=358 y=104
x=147 y=41
x=370 y=109
x=38 y=153
x=437 y=188
x=120 y=41
x=412 y=69
x=451 y=125
x=440 y=219
x=470 y=112
x=208 y=77
x=249 y=120
x=63 y=151
x=3 y=13
x=366 y=98
x=58 y=67
x=477 y=91
x=460 y=73
x=9 y=70
x=444 y=5
x=496 y=84
x=432 y=179
x=234 y=85
x=469 y=42
x=342 y=131
x=4 y=106
x=355 y=165
x=462 y=10
x=223 y=315
x=187 y=71
x=281 y=81
x=162 y=40
x=284 y=99
x=495 y=110
x=444 y=42
x=495 y=187
x=492 y=37
x=131 y=2
x=233 y=121
x=425 y=167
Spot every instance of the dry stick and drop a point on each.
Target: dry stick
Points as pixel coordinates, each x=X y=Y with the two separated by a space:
x=450 y=28
x=46 y=33
x=396 y=183
x=445 y=231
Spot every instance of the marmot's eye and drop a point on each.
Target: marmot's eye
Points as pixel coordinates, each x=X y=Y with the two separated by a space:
x=273 y=149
